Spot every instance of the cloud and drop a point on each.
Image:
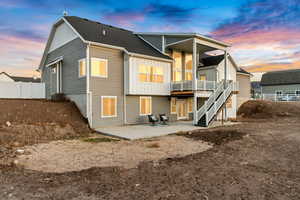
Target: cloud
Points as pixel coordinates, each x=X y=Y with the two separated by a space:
x=124 y=18
x=171 y=13
x=165 y=13
x=19 y=55
x=264 y=33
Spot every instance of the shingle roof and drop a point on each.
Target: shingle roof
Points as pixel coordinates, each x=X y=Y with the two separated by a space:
x=23 y=79
x=281 y=77
x=212 y=60
x=26 y=79
x=241 y=70
x=93 y=31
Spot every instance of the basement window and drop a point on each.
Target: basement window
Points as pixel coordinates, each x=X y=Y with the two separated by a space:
x=145 y=106
x=108 y=106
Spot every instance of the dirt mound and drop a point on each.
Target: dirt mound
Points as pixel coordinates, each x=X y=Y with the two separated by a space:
x=216 y=137
x=26 y=122
x=265 y=109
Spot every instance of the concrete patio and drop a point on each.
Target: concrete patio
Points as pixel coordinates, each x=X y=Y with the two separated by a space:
x=133 y=132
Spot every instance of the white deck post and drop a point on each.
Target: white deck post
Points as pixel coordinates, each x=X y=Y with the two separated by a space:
x=195 y=80
x=225 y=77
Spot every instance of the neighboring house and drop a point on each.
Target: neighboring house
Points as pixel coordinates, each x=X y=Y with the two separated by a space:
x=255 y=89
x=118 y=77
x=243 y=78
x=4 y=77
x=281 y=82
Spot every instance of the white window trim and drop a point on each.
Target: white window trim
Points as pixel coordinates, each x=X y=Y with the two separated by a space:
x=79 y=76
x=173 y=113
x=106 y=66
x=146 y=97
x=116 y=106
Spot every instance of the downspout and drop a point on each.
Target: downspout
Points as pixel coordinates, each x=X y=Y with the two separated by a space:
x=195 y=81
x=125 y=86
x=88 y=93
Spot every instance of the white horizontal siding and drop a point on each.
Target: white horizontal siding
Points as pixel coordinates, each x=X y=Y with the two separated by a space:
x=231 y=71
x=141 y=88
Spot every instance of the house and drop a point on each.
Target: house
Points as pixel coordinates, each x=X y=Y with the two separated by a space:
x=118 y=77
x=4 y=77
x=281 y=82
x=243 y=78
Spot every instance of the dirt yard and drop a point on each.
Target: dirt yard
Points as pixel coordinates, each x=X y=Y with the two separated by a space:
x=258 y=159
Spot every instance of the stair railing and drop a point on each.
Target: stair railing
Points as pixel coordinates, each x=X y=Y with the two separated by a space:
x=210 y=101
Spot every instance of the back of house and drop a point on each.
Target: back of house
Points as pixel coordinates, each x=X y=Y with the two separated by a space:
x=118 y=77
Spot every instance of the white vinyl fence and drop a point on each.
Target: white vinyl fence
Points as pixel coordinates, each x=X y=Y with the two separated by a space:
x=20 y=90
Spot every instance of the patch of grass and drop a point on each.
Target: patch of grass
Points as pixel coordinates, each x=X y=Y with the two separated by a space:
x=153 y=145
x=99 y=140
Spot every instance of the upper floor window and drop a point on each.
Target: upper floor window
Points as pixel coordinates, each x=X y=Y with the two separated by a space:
x=81 y=68
x=151 y=74
x=99 y=67
x=188 y=66
x=297 y=92
x=177 y=66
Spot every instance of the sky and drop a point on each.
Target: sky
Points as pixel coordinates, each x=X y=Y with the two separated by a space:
x=264 y=34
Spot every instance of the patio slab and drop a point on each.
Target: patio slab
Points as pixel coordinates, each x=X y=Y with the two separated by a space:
x=133 y=132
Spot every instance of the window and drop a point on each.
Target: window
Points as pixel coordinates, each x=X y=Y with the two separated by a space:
x=190 y=104
x=157 y=75
x=278 y=92
x=145 y=105
x=297 y=92
x=81 y=68
x=173 y=106
x=188 y=66
x=99 y=67
x=202 y=77
x=151 y=74
x=108 y=106
x=177 y=66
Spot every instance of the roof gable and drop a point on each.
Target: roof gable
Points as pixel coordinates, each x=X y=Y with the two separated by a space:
x=62 y=35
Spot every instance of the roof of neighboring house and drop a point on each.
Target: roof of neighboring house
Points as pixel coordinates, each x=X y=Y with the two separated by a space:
x=212 y=60
x=286 y=77
x=241 y=70
x=23 y=79
x=93 y=31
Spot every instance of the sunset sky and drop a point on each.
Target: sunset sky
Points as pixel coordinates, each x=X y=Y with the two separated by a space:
x=265 y=34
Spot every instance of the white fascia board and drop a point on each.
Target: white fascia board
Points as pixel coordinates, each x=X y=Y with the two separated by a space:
x=59 y=21
x=56 y=60
x=185 y=34
x=127 y=52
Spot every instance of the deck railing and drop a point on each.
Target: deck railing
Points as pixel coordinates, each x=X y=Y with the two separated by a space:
x=201 y=85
